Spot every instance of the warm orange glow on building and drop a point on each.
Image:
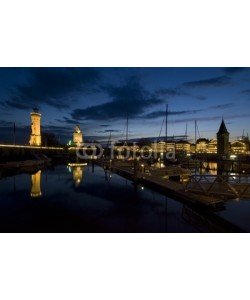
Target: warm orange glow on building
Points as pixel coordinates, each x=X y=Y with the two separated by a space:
x=35 y=137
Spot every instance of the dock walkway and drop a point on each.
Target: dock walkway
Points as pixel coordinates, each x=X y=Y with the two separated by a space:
x=174 y=189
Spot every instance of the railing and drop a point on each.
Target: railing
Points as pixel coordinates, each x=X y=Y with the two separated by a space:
x=223 y=185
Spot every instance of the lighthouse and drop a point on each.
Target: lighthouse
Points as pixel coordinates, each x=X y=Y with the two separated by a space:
x=35 y=137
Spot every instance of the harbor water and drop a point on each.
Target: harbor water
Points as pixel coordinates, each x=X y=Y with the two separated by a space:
x=86 y=199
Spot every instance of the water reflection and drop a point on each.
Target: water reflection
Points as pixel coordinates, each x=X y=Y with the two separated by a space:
x=101 y=204
x=77 y=171
x=36 y=185
x=210 y=167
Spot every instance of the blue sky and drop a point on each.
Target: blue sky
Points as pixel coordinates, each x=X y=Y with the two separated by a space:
x=99 y=99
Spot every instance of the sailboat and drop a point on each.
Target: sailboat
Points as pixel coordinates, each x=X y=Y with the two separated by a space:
x=167 y=160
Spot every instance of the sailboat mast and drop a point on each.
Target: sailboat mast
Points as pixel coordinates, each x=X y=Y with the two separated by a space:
x=195 y=134
x=127 y=130
x=166 y=122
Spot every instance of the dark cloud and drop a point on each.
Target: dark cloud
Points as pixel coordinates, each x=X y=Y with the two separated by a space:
x=222 y=106
x=108 y=131
x=171 y=92
x=201 y=98
x=233 y=70
x=177 y=92
x=246 y=92
x=131 y=99
x=211 y=82
x=56 y=87
x=212 y=118
x=161 y=113
x=69 y=121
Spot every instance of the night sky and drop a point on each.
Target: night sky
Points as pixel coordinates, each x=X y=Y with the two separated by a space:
x=98 y=99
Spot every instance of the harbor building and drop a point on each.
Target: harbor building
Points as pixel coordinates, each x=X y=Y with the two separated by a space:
x=223 y=140
x=162 y=146
x=35 y=137
x=239 y=147
x=202 y=145
x=77 y=136
x=183 y=147
x=125 y=146
x=212 y=146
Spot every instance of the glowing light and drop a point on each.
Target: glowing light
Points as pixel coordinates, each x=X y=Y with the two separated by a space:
x=31 y=147
x=76 y=164
x=233 y=156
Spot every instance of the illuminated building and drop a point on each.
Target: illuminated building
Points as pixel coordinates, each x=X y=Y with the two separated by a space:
x=239 y=147
x=158 y=147
x=35 y=137
x=163 y=147
x=192 y=148
x=169 y=146
x=212 y=146
x=36 y=185
x=223 y=140
x=120 y=147
x=201 y=146
x=77 y=136
x=183 y=146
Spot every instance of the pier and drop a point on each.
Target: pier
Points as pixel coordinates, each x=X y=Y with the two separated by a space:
x=162 y=184
x=226 y=186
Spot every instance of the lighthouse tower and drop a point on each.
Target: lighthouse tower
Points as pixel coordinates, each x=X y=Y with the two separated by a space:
x=35 y=137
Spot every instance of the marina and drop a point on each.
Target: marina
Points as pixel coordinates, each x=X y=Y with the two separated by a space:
x=89 y=199
x=208 y=190
x=202 y=174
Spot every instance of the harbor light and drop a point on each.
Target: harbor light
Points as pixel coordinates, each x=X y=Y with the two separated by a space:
x=77 y=164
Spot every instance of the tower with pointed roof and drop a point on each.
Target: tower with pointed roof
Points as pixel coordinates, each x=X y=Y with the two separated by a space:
x=223 y=140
